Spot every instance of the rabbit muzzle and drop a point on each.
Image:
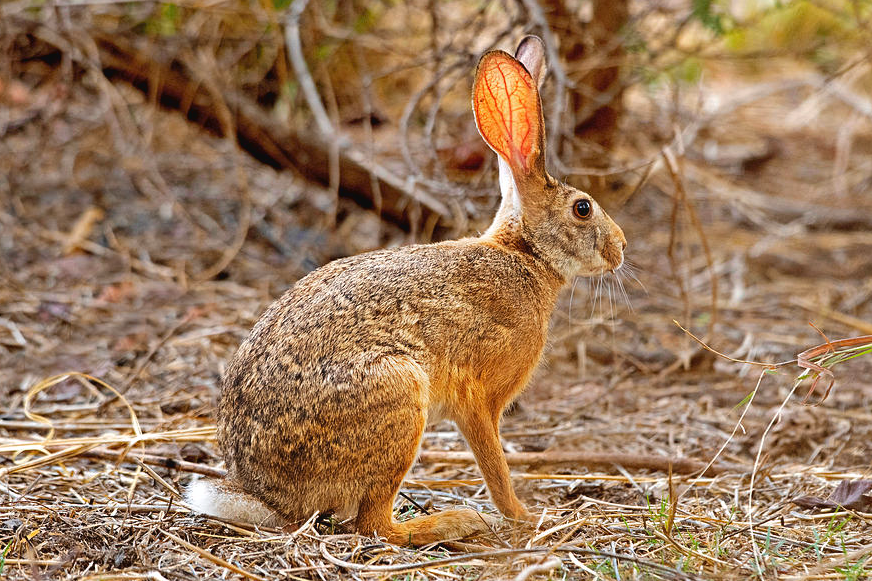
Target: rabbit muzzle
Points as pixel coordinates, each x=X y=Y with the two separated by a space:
x=612 y=251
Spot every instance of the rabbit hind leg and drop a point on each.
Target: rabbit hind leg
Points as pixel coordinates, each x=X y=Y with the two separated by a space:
x=375 y=510
x=375 y=515
x=403 y=426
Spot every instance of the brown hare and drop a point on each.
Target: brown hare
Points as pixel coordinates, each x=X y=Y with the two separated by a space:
x=324 y=405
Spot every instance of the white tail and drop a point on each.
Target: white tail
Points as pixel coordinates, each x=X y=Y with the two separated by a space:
x=215 y=498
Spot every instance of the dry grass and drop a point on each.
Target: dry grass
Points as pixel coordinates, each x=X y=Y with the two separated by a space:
x=127 y=256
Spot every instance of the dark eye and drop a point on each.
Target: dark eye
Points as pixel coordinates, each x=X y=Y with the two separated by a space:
x=581 y=208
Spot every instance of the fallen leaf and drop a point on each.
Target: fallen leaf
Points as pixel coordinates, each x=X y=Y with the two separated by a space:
x=852 y=494
x=848 y=494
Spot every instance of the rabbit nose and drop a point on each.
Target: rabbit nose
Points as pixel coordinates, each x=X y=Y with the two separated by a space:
x=619 y=234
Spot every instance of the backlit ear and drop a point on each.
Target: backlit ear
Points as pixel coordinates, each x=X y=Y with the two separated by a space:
x=505 y=101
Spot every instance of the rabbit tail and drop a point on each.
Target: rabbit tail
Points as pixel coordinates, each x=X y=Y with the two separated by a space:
x=223 y=500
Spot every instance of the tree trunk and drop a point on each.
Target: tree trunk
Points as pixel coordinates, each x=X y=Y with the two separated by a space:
x=593 y=54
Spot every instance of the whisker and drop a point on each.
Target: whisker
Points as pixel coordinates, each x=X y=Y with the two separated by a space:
x=596 y=295
x=591 y=294
x=631 y=269
x=619 y=279
x=572 y=294
x=602 y=303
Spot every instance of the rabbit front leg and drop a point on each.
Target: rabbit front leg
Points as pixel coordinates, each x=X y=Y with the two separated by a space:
x=480 y=427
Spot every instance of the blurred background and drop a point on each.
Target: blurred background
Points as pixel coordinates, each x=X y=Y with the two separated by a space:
x=169 y=168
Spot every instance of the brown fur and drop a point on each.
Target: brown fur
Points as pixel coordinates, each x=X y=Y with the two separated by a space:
x=324 y=405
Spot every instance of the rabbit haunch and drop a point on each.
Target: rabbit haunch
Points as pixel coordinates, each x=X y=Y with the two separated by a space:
x=324 y=405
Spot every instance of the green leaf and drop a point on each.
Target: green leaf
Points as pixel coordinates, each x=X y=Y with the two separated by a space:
x=744 y=401
x=702 y=11
x=3 y=555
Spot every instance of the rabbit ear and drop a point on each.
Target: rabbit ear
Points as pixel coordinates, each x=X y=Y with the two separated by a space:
x=508 y=113
x=531 y=54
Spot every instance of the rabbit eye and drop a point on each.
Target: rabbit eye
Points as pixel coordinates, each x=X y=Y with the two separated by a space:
x=582 y=209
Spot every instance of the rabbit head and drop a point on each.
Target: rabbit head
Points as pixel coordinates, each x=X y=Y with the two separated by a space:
x=562 y=225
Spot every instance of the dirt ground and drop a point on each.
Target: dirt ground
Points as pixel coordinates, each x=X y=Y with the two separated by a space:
x=126 y=260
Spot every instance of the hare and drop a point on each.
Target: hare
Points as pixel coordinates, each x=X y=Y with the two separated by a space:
x=324 y=405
